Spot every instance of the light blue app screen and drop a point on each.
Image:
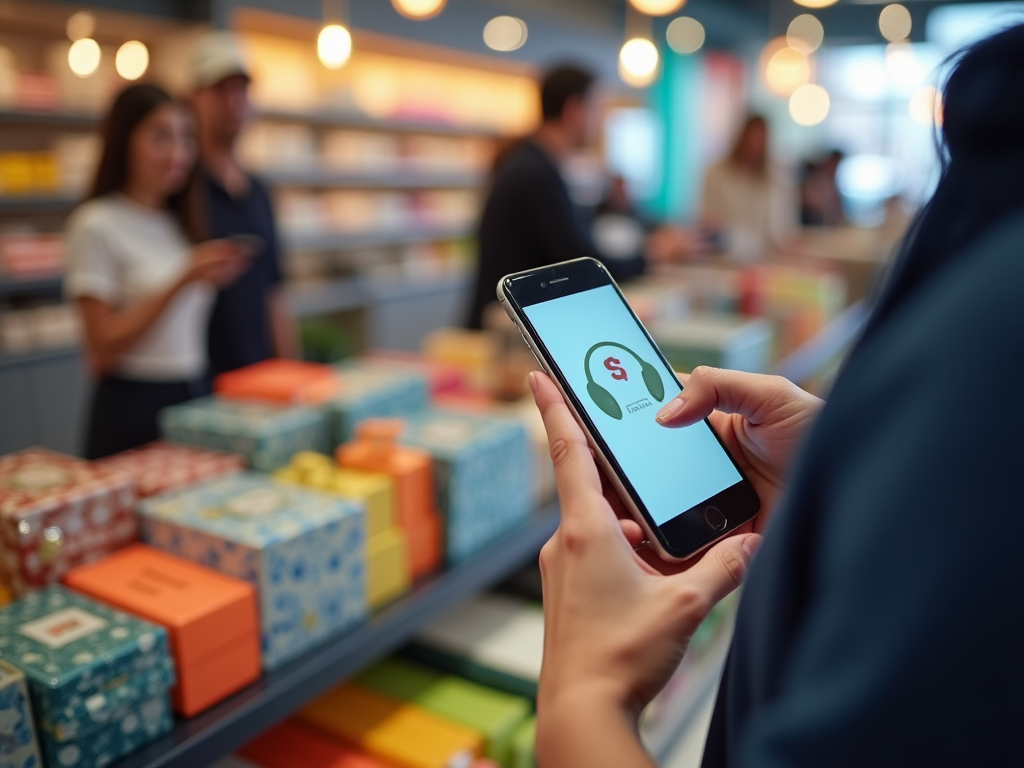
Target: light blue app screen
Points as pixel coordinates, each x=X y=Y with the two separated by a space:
x=615 y=372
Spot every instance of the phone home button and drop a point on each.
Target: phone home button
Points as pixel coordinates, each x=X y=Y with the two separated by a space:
x=714 y=518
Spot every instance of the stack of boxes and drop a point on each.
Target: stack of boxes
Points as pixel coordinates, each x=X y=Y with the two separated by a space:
x=161 y=466
x=17 y=728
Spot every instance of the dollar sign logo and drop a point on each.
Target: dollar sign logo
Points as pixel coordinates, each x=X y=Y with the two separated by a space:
x=618 y=372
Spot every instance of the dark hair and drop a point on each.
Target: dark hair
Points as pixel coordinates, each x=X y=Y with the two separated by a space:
x=561 y=84
x=982 y=150
x=752 y=122
x=130 y=108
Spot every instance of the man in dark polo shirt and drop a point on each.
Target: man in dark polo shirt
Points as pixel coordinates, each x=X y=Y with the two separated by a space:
x=249 y=321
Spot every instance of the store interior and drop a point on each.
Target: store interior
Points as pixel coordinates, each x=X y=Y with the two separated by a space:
x=406 y=447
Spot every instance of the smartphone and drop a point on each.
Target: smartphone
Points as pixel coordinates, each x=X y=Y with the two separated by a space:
x=681 y=485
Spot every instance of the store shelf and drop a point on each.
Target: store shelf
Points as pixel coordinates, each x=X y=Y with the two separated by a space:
x=388 y=180
x=19 y=286
x=334 y=241
x=318 y=298
x=329 y=119
x=232 y=723
x=15 y=359
x=55 y=119
x=31 y=203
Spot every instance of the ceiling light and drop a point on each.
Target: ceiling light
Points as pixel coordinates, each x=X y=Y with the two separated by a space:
x=505 y=33
x=132 y=60
x=785 y=69
x=418 y=9
x=657 y=7
x=334 y=46
x=805 y=33
x=815 y=3
x=638 y=62
x=685 y=35
x=84 y=56
x=809 y=104
x=894 y=22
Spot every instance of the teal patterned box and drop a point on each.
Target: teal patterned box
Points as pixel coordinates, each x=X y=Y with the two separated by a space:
x=18 y=745
x=374 y=389
x=302 y=550
x=483 y=475
x=267 y=434
x=89 y=669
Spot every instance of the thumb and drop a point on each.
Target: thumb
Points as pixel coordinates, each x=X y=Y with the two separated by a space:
x=721 y=569
x=754 y=396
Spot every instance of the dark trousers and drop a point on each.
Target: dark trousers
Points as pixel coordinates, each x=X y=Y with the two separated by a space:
x=123 y=412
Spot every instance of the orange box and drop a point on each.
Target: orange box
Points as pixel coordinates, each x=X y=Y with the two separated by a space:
x=211 y=619
x=280 y=380
x=376 y=449
x=289 y=745
x=401 y=734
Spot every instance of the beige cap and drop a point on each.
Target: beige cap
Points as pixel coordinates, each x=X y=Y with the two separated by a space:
x=217 y=55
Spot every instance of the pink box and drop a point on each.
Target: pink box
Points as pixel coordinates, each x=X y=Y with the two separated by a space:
x=161 y=466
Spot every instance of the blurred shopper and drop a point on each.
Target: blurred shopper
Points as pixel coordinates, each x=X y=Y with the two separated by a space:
x=249 y=322
x=821 y=205
x=881 y=621
x=142 y=280
x=747 y=201
x=529 y=219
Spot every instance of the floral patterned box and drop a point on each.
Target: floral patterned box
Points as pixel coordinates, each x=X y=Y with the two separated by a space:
x=303 y=551
x=483 y=475
x=57 y=512
x=98 y=678
x=374 y=389
x=162 y=466
x=18 y=745
x=267 y=434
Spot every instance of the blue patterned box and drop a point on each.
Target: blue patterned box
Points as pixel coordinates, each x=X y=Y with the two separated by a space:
x=90 y=671
x=374 y=389
x=268 y=435
x=304 y=552
x=18 y=745
x=483 y=475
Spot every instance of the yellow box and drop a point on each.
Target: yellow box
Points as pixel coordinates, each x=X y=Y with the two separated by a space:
x=387 y=566
x=15 y=172
x=374 y=490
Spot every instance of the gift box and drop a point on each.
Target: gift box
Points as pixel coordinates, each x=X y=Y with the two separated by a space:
x=376 y=449
x=398 y=733
x=98 y=678
x=57 y=512
x=267 y=434
x=282 y=381
x=211 y=619
x=387 y=567
x=291 y=744
x=161 y=466
x=483 y=475
x=19 y=747
x=372 y=389
x=303 y=551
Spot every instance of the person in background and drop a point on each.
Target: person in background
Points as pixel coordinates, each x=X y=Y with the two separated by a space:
x=529 y=219
x=821 y=205
x=141 y=277
x=745 y=200
x=249 y=321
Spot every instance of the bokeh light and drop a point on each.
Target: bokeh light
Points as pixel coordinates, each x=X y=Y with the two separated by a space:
x=418 y=9
x=81 y=24
x=685 y=35
x=505 y=33
x=894 y=22
x=334 y=46
x=657 y=7
x=785 y=69
x=809 y=104
x=131 y=60
x=84 y=56
x=816 y=3
x=638 y=62
x=805 y=33
x=904 y=68
x=925 y=106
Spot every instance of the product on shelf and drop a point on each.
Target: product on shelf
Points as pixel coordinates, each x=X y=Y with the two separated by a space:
x=376 y=449
x=514 y=358
x=28 y=173
x=98 y=677
x=483 y=475
x=523 y=751
x=292 y=744
x=721 y=341
x=473 y=352
x=267 y=434
x=387 y=557
x=655 y=300
x=17 y=728
x=374 y=389
x=31 y=253
x=293 y=382
x=51 y=326
x=303 y=551
x=401 y=734
x=161 y=466
x=442 y=378
x=211 y=619
x=57 y=512
x=494 y=715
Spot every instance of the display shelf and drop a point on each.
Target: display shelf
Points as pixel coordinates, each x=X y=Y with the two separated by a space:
x=239 y=719
x=337 y=241
x=388 y=180
x=16 y=286
x=318 y=298
x=338 y=119
x=30 y=203
x=14 y=359
x=55 y=119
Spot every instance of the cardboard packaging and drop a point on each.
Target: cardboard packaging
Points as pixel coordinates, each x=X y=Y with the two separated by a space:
x=442 y=378
x=211 y=619
x=303 y=551
x=483 y=475
x=293 y=382
x=290 y=744
x=492 y=714
x=20 y=748
x=161 y=466
x=98 y=678
x=267 y=434
x=722 y=341
x=376 y=449
x=373 y=389
x=387 y=567
x=402 y=735
x=57 y=512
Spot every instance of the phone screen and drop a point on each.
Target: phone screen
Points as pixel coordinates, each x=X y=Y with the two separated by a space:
x=620 y=379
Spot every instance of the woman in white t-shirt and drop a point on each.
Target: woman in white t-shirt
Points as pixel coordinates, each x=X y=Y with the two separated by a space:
x=141 y=278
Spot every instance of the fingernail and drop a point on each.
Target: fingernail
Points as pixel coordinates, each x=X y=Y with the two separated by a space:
x=751 y=545
x=672 y=408
x=533 y=381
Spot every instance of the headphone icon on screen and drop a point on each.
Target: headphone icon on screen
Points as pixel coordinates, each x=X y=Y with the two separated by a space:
x=604 y=399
